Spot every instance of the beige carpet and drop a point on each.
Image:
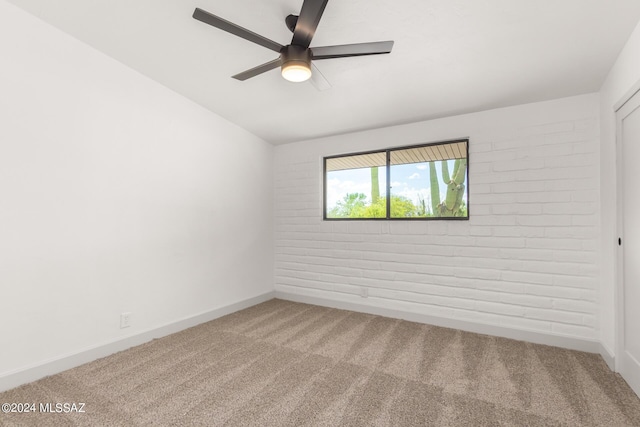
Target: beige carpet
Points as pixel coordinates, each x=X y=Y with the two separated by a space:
x=289 y=364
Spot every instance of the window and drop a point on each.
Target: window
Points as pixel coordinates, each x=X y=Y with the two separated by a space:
x=421 y=182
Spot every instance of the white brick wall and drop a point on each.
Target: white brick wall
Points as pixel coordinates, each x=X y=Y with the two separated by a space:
x=526 y=259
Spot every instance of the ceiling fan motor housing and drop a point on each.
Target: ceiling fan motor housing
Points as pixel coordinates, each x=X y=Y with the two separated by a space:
x=295 y=55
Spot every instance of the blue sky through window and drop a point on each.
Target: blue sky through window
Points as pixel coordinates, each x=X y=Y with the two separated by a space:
x=409 y=180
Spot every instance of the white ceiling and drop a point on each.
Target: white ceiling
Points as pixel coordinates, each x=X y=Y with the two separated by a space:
x=449 y=57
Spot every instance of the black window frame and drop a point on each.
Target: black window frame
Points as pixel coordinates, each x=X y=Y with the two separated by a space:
x=388 y=152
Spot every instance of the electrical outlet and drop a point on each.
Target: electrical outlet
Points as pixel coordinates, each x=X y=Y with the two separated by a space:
x=125 y=320
x=364 y=292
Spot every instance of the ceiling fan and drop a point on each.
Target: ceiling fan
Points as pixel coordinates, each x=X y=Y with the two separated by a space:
x=296 y=58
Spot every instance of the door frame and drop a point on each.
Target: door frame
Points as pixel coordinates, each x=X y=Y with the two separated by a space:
x=619 y=253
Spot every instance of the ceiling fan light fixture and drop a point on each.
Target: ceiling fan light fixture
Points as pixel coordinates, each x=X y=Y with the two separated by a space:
x=296 y=63
x=296 y=71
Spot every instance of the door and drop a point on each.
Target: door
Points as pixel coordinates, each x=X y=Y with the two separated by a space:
x=628 y=134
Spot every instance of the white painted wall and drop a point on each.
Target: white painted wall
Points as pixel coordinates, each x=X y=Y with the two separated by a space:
x=624 y=74
x=116 y=195
x=527 y=258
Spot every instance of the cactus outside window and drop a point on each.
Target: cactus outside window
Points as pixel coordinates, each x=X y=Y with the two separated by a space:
x=428 y=181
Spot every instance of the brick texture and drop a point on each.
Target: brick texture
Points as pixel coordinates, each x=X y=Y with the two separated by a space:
x=526 y=259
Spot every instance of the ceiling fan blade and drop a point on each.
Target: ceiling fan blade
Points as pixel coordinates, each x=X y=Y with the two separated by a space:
x=230 y=27
x=318 y=80
x=346 y=50
x=258 y=70
x=308 y=22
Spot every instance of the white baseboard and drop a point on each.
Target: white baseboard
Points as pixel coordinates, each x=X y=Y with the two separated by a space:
x=556 y=340
x=608 y=356
x=53 y=366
